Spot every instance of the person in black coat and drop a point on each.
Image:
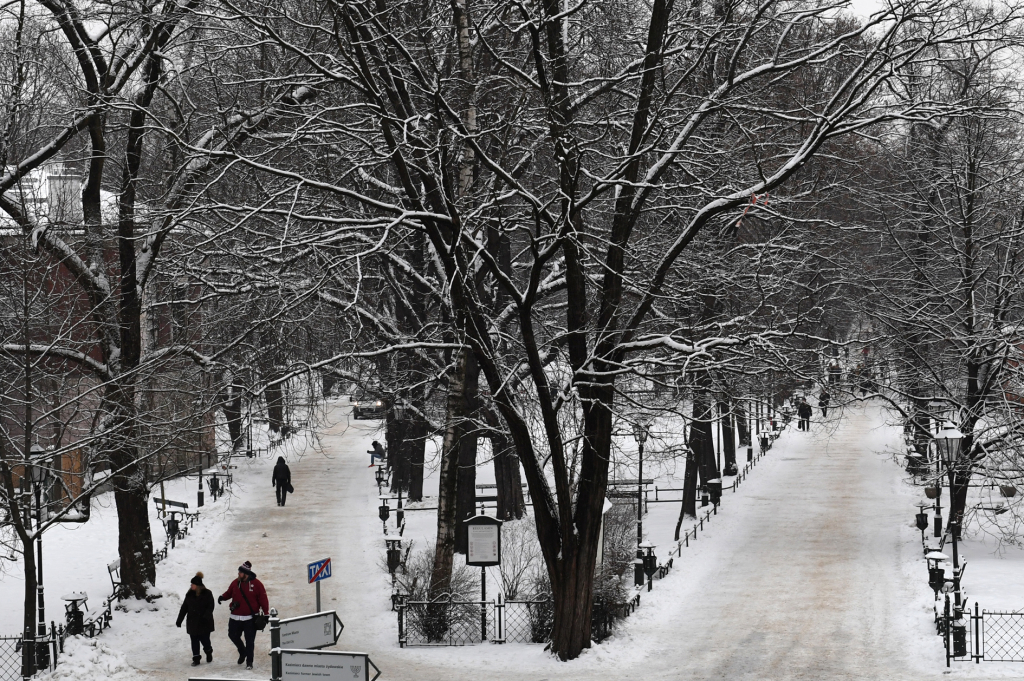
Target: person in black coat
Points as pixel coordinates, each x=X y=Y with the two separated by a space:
x=281 y=480
x=197 y=612
x=803 y=411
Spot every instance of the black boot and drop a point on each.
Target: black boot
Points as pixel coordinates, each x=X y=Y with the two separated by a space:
x=209 y=655
x=195 y=660
x=241 y=657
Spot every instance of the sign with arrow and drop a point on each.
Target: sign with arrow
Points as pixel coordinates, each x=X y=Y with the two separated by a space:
x=326 y=665
x=311 y=632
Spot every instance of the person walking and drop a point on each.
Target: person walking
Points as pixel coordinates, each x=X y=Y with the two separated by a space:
x=376 y=453
x=804 y=412
x=248 y=597
x=282 y=480
x=823 y=401
x=197 y=613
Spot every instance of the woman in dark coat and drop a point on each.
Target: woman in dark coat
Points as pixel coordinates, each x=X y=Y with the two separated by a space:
x=197 y=612
x=281 y=480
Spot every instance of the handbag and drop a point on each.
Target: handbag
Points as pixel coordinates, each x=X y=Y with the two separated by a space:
x=259 y=620
x=291 y=490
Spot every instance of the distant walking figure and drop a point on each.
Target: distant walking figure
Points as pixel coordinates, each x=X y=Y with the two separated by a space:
x=376 y=453
x=197 y=613
x=804 y=412
x=282 y=480
x=823 y=401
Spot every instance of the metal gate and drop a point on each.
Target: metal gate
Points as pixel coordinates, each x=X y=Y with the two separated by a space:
x=989 y=635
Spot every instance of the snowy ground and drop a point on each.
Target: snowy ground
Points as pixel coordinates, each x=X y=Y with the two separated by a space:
x=812 y=570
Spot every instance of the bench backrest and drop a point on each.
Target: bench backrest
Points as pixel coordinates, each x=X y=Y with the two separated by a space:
x=115 y=568
x=168 y=502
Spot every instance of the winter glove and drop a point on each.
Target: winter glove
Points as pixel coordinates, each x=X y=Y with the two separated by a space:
x=220 y=599
x=179 y=625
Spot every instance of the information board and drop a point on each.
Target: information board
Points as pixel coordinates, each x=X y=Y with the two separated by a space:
x=303 y=665
x=482 y=542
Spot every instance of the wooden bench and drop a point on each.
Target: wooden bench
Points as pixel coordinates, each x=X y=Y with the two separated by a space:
x=114 y=569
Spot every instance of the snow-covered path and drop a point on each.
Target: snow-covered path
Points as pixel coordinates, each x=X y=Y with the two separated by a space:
x=807 y=573
x=809 y=582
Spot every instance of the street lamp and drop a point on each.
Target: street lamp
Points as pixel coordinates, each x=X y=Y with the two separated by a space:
x=649 y=562
x=640 y=434
x=947 y=444
x=37 y=475
x=383 y=512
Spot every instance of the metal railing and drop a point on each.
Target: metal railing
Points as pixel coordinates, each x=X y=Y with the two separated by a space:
x=450 y=621
x=980 y=635
x=47 y=651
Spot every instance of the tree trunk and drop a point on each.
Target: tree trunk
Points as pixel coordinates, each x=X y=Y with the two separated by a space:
x=444 y=547
x=415 y=452
x=233 y=415
x=572 y=570
x=394 y=438
x=701 y=436
x=511 y=504
x=742 y=427
x=728 y=439
x=465 y=501
x=689 y=505
x=275 y=406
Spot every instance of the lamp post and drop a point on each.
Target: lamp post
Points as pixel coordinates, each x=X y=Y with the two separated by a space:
x=640 y=435
x=649 y=562
x=38 y=475
x=947 y=443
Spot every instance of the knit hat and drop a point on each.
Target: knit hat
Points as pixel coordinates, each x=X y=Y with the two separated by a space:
x=198 y=580
x=246 y=568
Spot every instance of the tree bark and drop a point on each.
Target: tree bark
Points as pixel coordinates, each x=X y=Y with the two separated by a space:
x=511 y=504
x=742 y=427
x=688 y=508
x=728 y=438
x=444 y=547
x=466 y=484
x=701 y=436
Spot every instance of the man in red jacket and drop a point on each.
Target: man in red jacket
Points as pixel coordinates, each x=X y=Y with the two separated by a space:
x=248 y=597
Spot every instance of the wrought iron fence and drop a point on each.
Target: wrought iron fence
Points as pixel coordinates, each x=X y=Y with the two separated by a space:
x=525 y=621
x=47 y=650
x=1002 y=636
x=450 y=621
x=10 y=658
x=445 y=621
x=980 y=635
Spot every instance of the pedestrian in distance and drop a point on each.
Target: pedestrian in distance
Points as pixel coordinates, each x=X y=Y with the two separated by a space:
x=376 y=453
x=804 y=412
x=823 y=401
x=282 y=480
x=197 y=613
x=248 y=598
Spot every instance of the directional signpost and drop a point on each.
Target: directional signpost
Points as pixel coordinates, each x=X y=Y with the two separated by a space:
x=327 y=665
x=316 y=572
x=311 y=632
x=289 y=662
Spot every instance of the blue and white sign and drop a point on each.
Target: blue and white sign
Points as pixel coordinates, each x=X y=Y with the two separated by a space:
x=321 y=569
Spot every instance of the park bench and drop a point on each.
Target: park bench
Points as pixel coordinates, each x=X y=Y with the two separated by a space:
x=114 y=569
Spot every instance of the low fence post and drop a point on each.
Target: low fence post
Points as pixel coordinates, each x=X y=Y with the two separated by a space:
x=401 y=625
x=977 y=634
x=276 y=667
x=946 y=631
